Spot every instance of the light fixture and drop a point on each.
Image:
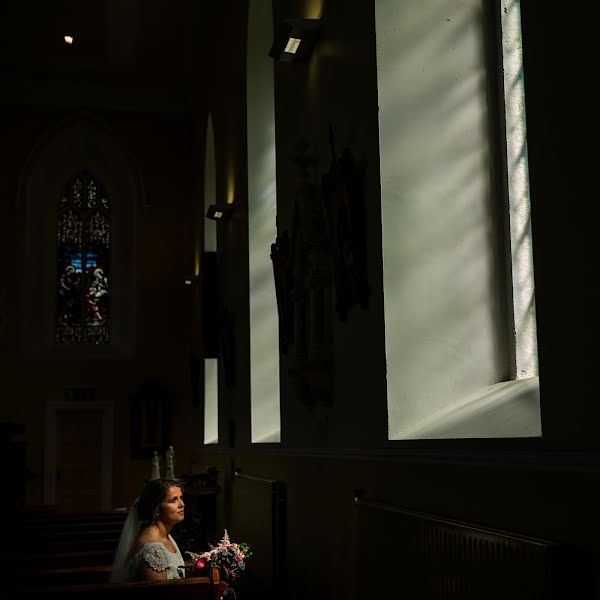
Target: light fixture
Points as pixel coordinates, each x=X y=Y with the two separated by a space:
x=295 y=39
x=191 y=280
x=68 y=39
x=292 y=45
x=219 y=212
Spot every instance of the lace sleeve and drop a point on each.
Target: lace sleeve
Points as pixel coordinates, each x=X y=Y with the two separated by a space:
x=154 y=554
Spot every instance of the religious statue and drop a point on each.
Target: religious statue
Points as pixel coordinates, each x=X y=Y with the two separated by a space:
x=170 y=455
x=155 y=474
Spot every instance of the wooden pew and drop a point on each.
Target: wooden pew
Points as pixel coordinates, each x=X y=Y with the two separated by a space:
x=69 y=544
x=72 y=554
x=50 y=542
x=66 y=576
x=53 y=527
x=191 y=588
x=71 y=520
x=53 y=515
x=63 y=534
x=24 y=561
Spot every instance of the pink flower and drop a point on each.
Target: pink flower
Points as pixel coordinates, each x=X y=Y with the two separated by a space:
x=200 y=563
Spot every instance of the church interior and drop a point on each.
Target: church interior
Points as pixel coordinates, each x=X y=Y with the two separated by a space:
x=334 y=256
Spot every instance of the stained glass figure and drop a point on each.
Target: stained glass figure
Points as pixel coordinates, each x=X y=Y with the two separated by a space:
x=76 y=189
x=83 y=263
x=91 y=193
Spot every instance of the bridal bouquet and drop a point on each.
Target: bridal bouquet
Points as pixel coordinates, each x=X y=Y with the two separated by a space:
x=226 y=555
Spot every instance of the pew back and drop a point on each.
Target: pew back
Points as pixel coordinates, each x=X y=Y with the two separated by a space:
x=23 y=561
x=191 y=588
x=46 y=542
x=53 y=555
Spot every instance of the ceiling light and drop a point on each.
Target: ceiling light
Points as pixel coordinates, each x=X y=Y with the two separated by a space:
x=68 y=39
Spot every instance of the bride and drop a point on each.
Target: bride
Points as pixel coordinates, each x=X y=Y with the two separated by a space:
x=146 y=550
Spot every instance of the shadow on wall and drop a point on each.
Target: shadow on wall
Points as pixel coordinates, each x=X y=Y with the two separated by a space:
x=259 y=517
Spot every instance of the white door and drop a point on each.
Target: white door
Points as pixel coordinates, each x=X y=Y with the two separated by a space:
x=78 y=461
x=78 y=456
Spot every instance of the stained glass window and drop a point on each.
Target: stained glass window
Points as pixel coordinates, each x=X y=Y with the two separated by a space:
x=83 y=263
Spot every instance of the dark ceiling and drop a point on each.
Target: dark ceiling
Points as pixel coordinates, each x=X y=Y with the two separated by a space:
x=125 y=52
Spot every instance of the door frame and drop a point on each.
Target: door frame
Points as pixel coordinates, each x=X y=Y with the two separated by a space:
x=51 y=411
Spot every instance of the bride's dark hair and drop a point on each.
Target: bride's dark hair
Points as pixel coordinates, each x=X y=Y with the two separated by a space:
x=152 y=495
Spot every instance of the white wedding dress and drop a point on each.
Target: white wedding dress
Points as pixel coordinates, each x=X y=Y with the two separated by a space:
x=158 y=558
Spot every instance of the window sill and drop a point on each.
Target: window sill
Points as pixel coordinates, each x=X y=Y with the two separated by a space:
x=510 y=409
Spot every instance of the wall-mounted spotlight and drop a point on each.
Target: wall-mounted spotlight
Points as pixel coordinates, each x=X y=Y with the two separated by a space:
x=295 y=39
x=219 y=212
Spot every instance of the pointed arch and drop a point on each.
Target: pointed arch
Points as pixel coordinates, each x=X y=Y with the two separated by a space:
x=80 y=121
x=81 y=143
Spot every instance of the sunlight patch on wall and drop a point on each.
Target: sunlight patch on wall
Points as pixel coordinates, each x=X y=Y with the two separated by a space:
x=262 y=230
x=211 y=404
x=518 y=193
x=445 y=330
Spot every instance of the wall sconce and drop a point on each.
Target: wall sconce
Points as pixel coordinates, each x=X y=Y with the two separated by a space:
x=219 y=212
x=295 y=39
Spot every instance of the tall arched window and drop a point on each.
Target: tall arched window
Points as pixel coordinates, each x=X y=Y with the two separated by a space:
x=83 y=262
x=262 y=229
x=95 y=219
